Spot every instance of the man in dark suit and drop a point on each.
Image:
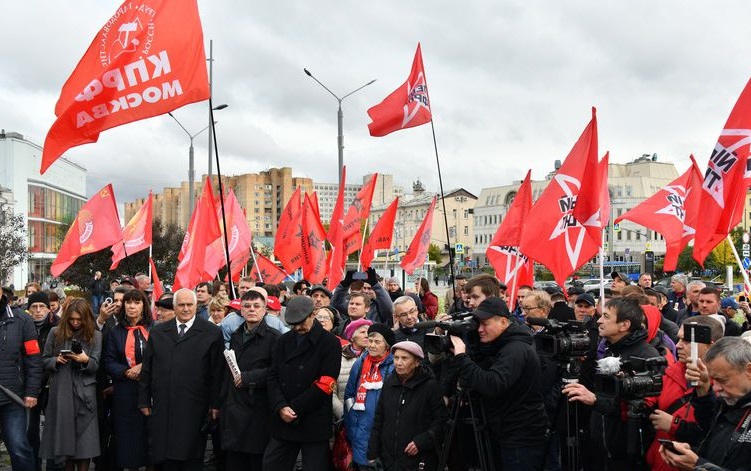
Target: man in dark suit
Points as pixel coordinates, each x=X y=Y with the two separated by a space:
x=302 y=376
x=180 y=385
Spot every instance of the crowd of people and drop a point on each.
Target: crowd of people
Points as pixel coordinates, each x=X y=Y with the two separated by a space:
x=369 y=375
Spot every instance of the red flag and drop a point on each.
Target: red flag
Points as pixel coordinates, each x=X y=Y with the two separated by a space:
x=136 y=235
x=337 y=256
x=418 y=248
x=313 y=244
x=380 y=236
x=158 y=289
x=266 y=271
x=203 y=230
x=552 y=235
x=604 y=192
x=358 y=212
x=97 y=226
x=587 y=208
x=726 y=180
x=144 y=62
x=238 y=238
x=406 y=107
x=237 y=264
x=288 y=233
x=511 y=266
x=665 y=212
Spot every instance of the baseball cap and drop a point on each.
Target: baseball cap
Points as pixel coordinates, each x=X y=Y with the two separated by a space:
x=729 y=302
x=320 y=288
x=615 y=275
x=586 y=298
x=273 y=304
x=492 y=306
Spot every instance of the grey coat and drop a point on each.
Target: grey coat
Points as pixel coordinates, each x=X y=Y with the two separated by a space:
x=71 y=429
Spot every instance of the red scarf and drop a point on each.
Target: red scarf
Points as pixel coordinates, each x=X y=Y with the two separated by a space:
x=370 y=378
x=130 y=343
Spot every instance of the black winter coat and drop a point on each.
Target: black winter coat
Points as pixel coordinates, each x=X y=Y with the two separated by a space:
x=505 y=374
x=20 y=355
x=181 y=380
x=406 y=412
x=291 y=383
x=246 y=410
x=726 y=446
x=608 y=432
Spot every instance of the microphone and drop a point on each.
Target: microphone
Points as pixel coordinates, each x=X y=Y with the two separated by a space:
x=609 y=366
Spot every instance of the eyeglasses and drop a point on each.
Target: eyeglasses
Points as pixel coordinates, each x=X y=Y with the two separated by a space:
x=530 y=309
x=405 y=314
x=252 y=306
x=323 y=317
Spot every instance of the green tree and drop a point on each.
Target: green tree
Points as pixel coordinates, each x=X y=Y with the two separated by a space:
x=686 y=262
x=434 y=254
x=13 y=251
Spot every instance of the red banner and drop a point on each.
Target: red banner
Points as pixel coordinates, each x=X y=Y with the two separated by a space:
x=337 y=256
x=238 y=238
x=136 y=234
x=380 y=236
x=266 y=271
x=358 y=212
x=418 y=248
x=406 y=107
x=313 y=244
x=145 y=61
x=97 y=226
x=288 y=233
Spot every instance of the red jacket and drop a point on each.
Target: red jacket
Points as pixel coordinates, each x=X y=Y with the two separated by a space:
x=684 y=427
x=430 y=303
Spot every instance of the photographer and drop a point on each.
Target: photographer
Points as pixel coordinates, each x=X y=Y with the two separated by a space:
x=500 y=366
x=724 y=410
x=673 y=418
x=379 y=308
x=622 y=327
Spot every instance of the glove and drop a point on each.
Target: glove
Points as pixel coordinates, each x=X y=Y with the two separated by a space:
x=372 y=276
x=347 y=279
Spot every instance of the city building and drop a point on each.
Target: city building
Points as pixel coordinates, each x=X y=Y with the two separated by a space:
x=629 y=184
x=262 y=195
x=411 y=212
x=46 y=202
x=327 y=194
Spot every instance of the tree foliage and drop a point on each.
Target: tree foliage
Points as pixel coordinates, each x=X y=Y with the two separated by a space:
x=13 y=250
x=167 y=241
x=434 y=254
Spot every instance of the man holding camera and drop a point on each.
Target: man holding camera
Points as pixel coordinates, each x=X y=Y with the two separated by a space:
x=723 y=408
x=380 y=308
x=622 y=327
x=500 y=366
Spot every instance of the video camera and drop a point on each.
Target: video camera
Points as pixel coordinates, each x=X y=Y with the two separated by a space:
x=561 y=340
x=459 y=325
x=636 y=378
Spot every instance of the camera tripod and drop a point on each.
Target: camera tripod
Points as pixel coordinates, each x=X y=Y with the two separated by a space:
x=476 y=419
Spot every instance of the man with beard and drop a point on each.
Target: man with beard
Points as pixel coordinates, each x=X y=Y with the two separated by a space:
x=722 y=406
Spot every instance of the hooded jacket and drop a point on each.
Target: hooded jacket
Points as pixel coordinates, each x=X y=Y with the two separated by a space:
x=505 y=375
x=406 y=412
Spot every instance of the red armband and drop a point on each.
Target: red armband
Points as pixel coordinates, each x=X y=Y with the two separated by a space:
x=31 y=347
x=326 y=384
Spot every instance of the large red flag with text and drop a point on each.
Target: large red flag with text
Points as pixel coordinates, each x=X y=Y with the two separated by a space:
x=136 y=234
x=552 y=234
x=202 y=232
x=381 y=235
x=266 y=271
x=406 y=107
x=511 y=266
x=358 y=212
x=96 y=227
x=726 y=179
x=313 y=244
x=418 y=248
x=288 y=234
x=238 y=238
x=145 y=61
x=337 y=256
x=665 y=212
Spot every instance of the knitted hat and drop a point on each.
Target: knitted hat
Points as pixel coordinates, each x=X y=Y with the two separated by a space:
x=353 y=326
x=39 y=297
x=409 y=347
x=385 y=331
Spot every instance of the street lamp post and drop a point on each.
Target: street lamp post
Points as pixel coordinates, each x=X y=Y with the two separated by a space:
x=339 y=118
x=191 y=167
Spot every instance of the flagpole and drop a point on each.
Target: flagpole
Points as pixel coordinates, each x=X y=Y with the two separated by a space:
x=362 y=243
x=221 y=198
x=602 y=271
x=255 y=264
x=740 y=265
x=443 y=202
x=513 y=281
x=150 y=247
x=127 y=262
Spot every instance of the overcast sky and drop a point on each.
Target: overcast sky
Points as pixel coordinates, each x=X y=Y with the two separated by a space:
x=511 y=84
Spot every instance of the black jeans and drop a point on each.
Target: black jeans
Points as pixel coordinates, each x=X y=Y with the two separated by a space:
x=281 y=455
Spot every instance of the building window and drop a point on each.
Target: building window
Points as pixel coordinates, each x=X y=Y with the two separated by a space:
x=466 y=230
x=466 y=214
